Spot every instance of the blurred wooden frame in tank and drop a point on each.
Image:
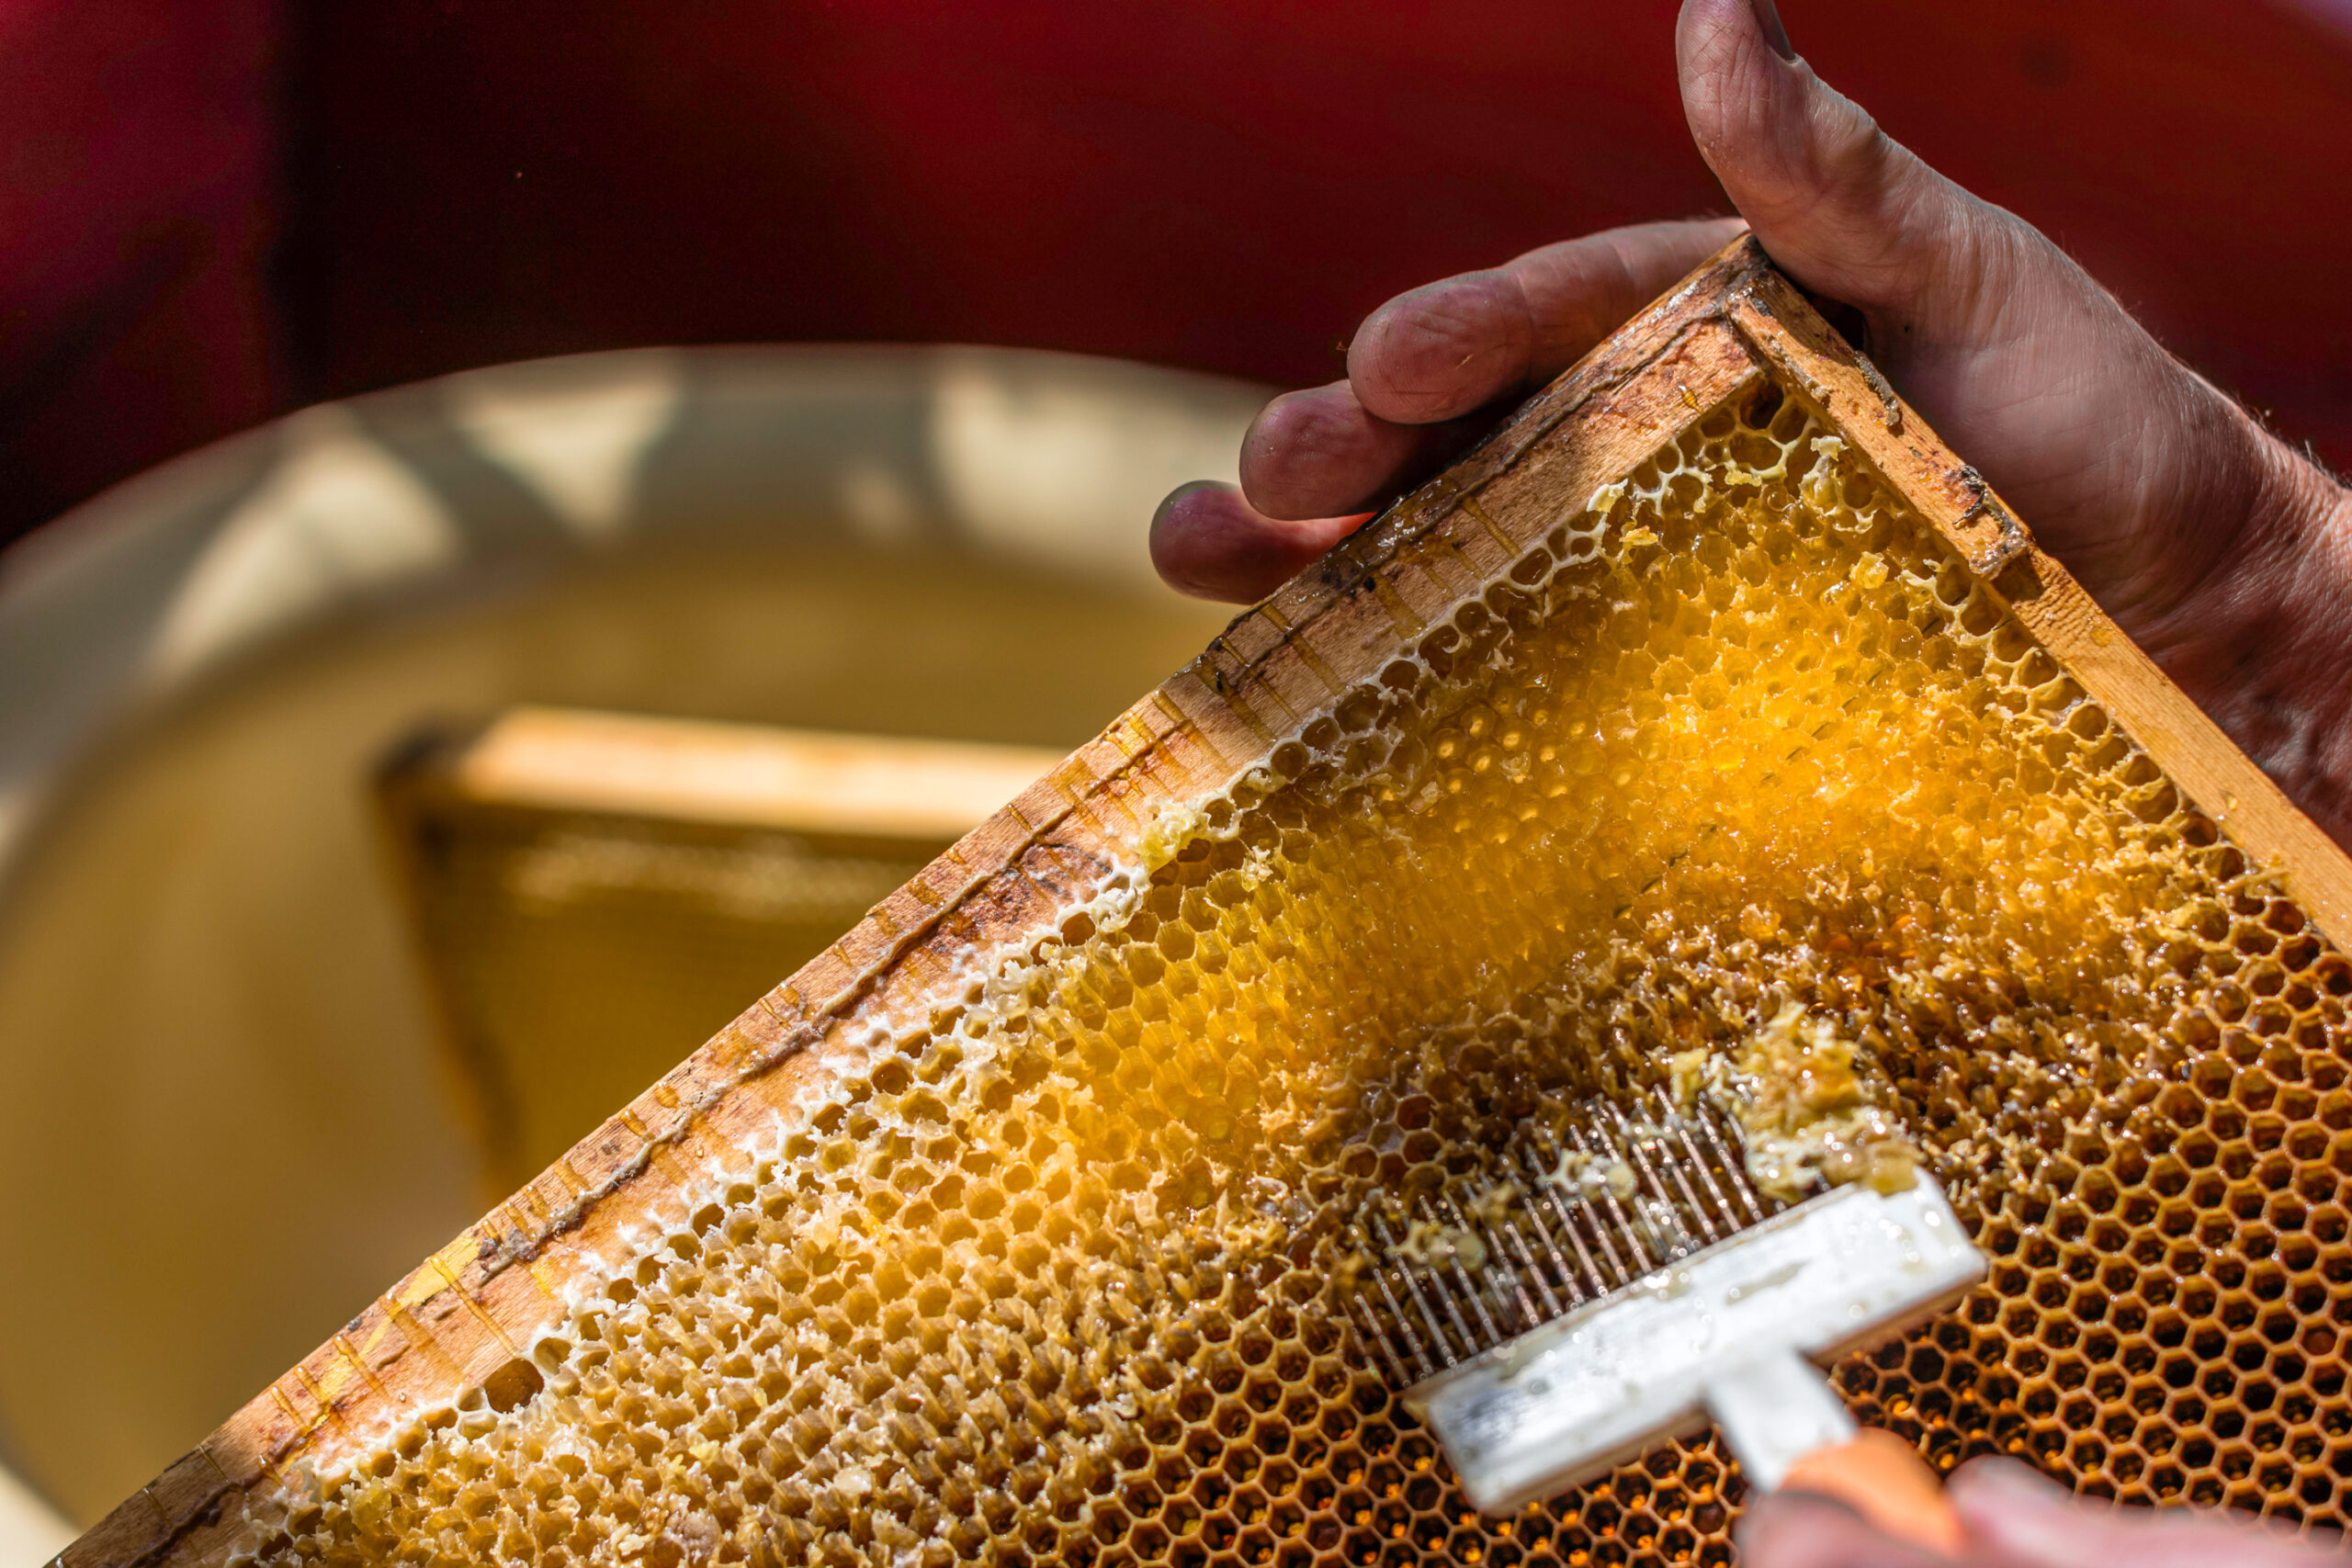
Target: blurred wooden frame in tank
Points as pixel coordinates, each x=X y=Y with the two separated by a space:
x=592 y=892
x=454 y=1325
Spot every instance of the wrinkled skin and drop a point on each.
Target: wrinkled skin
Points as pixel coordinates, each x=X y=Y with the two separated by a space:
x=2219 y=551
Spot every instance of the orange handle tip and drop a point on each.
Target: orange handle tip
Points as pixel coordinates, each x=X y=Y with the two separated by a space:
x=1883 y=1479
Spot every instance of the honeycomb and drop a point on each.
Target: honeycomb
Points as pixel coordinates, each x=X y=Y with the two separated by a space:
x=1063 y=1275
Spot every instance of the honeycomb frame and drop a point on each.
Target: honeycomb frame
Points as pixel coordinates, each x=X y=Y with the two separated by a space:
x=451 y=1344
x=756 y=845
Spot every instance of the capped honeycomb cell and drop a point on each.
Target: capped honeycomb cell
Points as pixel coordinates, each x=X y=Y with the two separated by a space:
x=1021 y=1228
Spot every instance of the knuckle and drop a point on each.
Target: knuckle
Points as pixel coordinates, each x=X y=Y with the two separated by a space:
x=1304 y=427
x=1439 y=324
x=1418 y=353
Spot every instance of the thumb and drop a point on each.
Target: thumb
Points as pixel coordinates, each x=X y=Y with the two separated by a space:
x=1838 y=205
x=2016 y=1518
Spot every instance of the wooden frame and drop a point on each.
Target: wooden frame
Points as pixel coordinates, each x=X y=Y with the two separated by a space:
x=477 y=1304
x=735 y=776
x=717 y=786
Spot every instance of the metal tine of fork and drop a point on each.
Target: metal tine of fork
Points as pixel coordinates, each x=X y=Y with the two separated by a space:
x=1504 y=1285
x=1471 y=1290
x=1412 y=1288
x=1721 y=1222
x=1529 y=1315
x=1650 y=1222
x=1428 y=1364
x=1590 y=1228
x=1657 y=1162
x=1563 y=1271
x=1735 y=1167
x=1371 y=1330
x=1543 y=1213
x=1425 y=1279
x=1593 y=1276
x=1690 y=1174
x=1618 y=1221
x=1725 y=1158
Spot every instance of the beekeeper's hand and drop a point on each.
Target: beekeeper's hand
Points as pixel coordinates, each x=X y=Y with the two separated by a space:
x=2014 y=1519
x=2221 y=551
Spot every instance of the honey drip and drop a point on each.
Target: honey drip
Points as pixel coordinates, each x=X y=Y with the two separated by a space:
x=1058 y=1278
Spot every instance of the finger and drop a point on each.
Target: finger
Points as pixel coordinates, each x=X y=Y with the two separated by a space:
x=1444 y=349
x=2006 y=345
x=1841 y=207
x=1435 y=364
x=1801 y=1529
x=1319 y=453
x=2016 y=1518
x=1209 y=542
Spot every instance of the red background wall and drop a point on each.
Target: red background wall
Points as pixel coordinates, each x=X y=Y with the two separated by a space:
x=214 y=212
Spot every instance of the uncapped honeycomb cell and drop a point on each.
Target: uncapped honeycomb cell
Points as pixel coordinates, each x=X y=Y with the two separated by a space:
x=1063 y=1277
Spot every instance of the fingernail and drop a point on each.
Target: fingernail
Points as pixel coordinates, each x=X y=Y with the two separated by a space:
x=2003 y=1501
x=1768 y=17
x=2021 y=1484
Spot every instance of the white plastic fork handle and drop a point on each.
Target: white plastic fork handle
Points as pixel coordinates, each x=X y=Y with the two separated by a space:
x=1567 y=1400
x=1774 y=1409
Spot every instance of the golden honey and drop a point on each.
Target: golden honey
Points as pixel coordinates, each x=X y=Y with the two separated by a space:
x=1061 y=1279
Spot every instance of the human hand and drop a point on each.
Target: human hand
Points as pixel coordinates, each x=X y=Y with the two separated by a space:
x=2015 y=1519
x=2223 y=554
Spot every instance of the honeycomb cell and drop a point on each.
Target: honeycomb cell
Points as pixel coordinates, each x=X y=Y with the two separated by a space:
x=1066 y=1275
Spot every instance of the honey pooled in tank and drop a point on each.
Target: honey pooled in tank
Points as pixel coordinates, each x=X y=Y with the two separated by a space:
x=1060 y=1275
